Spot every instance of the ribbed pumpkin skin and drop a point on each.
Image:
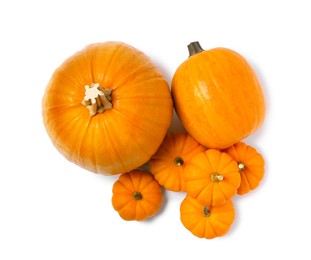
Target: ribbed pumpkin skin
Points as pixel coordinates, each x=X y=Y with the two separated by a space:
x=163 y=166
x=215 y=225
x=201 y=178
x=117 y=140
x=123 y=198
x=253 y=166
x=218 y=98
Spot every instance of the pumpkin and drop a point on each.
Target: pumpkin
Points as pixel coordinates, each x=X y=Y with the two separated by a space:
x=136 y=195
x=205 y=221
x=217 y=96
x=251 y=166
x=212 y=177
x=169 y=162
x=107 y=108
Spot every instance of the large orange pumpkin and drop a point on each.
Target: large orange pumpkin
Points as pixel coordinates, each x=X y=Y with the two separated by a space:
x=217 y=96
x=107 y=108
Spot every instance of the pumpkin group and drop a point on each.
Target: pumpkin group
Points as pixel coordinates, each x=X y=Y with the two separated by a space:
x=107 y=108
x=217 y=96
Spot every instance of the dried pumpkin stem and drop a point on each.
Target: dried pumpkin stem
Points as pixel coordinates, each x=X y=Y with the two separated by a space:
x=206 y=211
x=178 y=161
x=97 y=99
x=194 y=48
x=137 y=195
x=241 y=166
x=216 y=177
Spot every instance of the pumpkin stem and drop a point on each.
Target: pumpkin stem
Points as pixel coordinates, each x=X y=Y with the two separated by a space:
x=137 y=195
x=178 y=161
x=194 y=48
x=241 y=166
x=206 y=211
x=216 y=177
x=97 y=99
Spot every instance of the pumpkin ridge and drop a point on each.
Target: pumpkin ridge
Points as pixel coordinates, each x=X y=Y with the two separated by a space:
x=142 y=188
x=219 y=187
x=195 y=226
x=125 y=183
x=258 y=161
x=150 y=201
x=63 y=126
x=222 y=169
x=145 y=68
x=163 y=177
x=233 y=150
x=59 y=108
x=111 y=61
x=247 y=177
x=133 y=123
x=209 y=227
x=193 y=202
x=248 y=172
x=145 y=97
x=211 y=166
x=106 y=129
x=224 y=226
x=170 y=151
x=183 y=146
x=160 y=166
x=202 y=176
x=204 y=191
x=83 y=140
x=137 y=183
x=245 y=181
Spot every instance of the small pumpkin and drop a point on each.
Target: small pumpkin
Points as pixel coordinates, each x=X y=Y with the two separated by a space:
x=205 y=221
x=136 y=195
x=212 y=177
x=171 y=159
x=250 y=164
x=107 y=108
x=217 y=96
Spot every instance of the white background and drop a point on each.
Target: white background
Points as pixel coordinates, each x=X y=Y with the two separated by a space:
x=52 y=209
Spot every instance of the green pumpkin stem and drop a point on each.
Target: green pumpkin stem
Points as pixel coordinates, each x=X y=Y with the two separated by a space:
x=206 y=211
x=194 y=48
x=178 y=161
x=137 y=195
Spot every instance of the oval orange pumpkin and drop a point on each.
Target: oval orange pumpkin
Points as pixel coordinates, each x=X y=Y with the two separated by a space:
x=217 y=96
x=250 y=164
x=136 y=195
x=171 y=159
x=212 y=177
x=107 y=108
x=205 y=221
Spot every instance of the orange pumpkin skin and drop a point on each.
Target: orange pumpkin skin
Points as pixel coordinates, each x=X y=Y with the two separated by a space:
x=251 y=166
x=218 y=97
x=119 y=139
x=171 y=159
x=212 y=177
x=206 y=221
x=136 y=195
